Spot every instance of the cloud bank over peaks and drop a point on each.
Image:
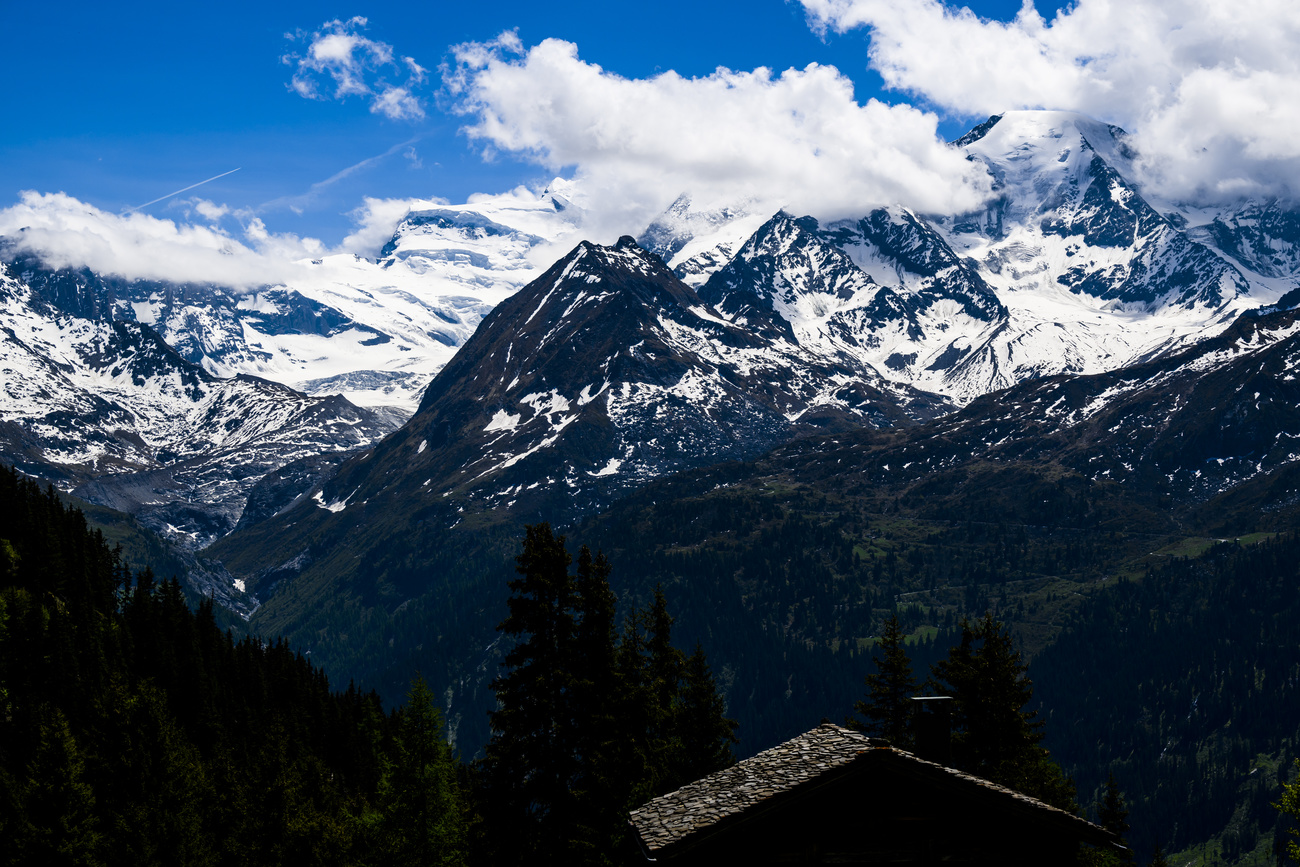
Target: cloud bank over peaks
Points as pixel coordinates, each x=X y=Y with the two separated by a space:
x=67 y=233
x=797 y=140
x=339 y=62
x=1210 y=91
x=64 y=232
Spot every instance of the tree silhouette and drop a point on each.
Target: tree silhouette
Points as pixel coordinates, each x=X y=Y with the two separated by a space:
x=995 y=737
x=888 y=703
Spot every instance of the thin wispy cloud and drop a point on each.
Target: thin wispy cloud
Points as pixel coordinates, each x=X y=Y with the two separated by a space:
x=300 y=202
x=339 y=62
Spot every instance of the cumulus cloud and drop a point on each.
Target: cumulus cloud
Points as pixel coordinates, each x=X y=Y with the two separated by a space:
x=1211 y=91
x=67 y=233
x=339 y=62
x=798 y=140
x=209 y=210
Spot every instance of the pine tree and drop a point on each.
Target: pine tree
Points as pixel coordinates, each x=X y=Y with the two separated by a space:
x=1158 y=858
x=59 y=803
x=665 y=666
x=995 y=737
x=1113 y=816
x=888 y=704
x=601 y=790
x=705 y=733
x=587 y=727
x=531 y=757
x=422 y=817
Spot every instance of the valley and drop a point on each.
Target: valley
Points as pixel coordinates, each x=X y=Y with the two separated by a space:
x=1076 y=409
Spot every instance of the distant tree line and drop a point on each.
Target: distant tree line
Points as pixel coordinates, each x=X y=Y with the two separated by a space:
x=1185 y=684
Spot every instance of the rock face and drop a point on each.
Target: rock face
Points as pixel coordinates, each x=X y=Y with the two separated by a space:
x=885 y=293
x=1263 y=236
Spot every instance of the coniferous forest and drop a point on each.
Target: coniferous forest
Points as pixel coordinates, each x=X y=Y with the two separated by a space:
x=136 y=731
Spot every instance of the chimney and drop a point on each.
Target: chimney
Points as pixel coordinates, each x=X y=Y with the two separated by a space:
x=932 y=728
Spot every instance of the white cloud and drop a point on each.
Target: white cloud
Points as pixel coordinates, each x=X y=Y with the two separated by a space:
x=210 y=211
x=67 y=233
x=339 y=59
x=798 y=140
x=375 y=221
x=1210 y=90
x=397 y=103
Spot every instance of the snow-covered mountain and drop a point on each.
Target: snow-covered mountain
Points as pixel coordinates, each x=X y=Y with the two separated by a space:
x=602 y=374
x=696 y=240
x=879 y=293
x=605 y=373
x=375 y=330
x=1211 y=426
x=1068 y=270
x=110 y=411
x=779 y=324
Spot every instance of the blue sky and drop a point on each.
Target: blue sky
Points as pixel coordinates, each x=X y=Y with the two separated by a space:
x=119 y=104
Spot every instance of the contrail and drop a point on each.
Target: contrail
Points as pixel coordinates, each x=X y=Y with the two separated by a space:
x=181 y=190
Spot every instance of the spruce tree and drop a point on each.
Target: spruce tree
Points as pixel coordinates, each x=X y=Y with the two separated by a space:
x=888 y=703
x=588 y=727
x=636 y=707
x=995 y=737
x=60 y=819
x=665 y=665
x=601 y=790
x=531 y=757
x=1113 y=816
x=704 y=732
x=422 y=817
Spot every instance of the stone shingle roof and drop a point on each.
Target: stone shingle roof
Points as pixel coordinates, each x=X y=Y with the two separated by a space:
x=746 y=786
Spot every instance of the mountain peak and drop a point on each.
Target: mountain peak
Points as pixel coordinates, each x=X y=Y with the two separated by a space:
x=977 y=132
x=1040 y=137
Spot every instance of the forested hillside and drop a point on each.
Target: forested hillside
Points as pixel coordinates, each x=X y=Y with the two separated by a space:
x=1185 y=684
x=135 y=731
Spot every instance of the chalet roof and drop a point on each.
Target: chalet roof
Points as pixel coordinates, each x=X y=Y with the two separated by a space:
x=749 y=786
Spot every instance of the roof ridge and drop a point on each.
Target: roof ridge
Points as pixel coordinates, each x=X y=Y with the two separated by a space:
x=803 y=759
